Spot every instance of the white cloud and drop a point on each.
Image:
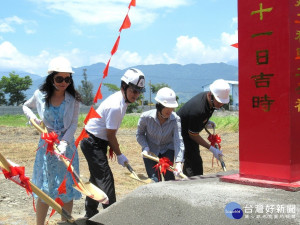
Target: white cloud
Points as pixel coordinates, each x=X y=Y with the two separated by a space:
x=7 y=25
x=192 y=50
x=12 y=59
x=93 y=12
x=6 y=28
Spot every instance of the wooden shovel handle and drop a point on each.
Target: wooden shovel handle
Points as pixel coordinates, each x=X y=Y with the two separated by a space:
x=67 y=164
x=41 y=194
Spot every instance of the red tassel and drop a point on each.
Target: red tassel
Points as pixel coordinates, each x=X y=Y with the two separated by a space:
x=60 y=202
x=111 y=153
x=92 y=114
x=236 y=45
x=82 y=135
x=71 y=172
x=105 y=71
x=132 y=3
x=116 y=45
x=126 y=23
x=62 y=187
x=98 y=94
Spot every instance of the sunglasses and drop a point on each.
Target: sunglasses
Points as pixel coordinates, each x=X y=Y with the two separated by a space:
x=60 y=79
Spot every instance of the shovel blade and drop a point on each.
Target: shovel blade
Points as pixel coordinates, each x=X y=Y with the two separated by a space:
x=141 y=178
x=92 y=191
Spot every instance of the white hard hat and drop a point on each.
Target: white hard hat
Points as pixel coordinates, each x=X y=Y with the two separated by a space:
x=134 y=78
x=220 y=89
x=60 y=64
x=167 y=97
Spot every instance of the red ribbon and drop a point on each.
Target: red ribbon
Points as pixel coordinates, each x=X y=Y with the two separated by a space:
x=111 y=153
x=19 y=172
x=60 y=202
x=214 y=139
x=164 y=165
x=50 y=139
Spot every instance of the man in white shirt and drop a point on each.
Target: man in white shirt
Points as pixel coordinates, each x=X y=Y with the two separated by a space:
x=102 y=133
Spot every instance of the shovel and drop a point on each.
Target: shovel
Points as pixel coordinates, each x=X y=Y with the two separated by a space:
x=86 y=188
x=216 y=146
x=6 y=165
x=156 y=159
x=138 y=177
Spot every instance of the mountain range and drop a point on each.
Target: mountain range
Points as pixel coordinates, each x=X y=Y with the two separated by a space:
x=185 y=80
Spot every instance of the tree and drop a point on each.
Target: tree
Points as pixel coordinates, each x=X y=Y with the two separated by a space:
x=14 y=86
x=111 y=87
x=156 y=87
x=2 y=98
x=86 y=90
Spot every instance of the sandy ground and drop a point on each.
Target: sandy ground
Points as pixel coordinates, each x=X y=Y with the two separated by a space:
x=20 y=144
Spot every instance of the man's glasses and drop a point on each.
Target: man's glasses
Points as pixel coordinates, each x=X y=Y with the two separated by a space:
x=133 y=91
x=60 y=79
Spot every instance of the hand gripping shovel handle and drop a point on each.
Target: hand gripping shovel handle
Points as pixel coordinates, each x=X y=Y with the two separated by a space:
x=156 y=159
x=216 y=146
x=41 y=194
x=67 y=164
x=87 y=189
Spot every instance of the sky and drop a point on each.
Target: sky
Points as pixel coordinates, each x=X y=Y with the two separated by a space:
x=32 y=32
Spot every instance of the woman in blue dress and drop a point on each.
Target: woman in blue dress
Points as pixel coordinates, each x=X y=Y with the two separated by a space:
x=57 y=104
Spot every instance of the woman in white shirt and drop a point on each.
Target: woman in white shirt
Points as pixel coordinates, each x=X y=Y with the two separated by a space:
x=159 y=132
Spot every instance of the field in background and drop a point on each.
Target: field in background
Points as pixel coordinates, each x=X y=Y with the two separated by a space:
x=229 y=122
x=18 y=143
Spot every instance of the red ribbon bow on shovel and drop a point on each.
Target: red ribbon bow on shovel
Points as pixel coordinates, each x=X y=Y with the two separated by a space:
x=50 y=139
x=164 y=164
x=214 y=139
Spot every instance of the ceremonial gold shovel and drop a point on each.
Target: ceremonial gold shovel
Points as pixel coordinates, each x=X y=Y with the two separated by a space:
x=6 y=165
x=138 y=177
x=86 y=188
x=156 y=159
x=216 y=146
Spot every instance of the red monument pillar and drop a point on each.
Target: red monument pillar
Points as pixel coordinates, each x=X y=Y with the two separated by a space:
x=269 y=93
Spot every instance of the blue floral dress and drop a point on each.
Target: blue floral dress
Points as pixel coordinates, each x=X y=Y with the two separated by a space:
x=48 y=171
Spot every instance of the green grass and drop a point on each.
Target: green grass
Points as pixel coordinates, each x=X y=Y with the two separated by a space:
x=13 y=120
x=230 y=123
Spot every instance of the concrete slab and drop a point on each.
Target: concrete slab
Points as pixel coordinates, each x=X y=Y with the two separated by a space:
x=203 y=200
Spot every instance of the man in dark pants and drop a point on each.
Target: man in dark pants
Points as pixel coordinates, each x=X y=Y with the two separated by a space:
x=195 y=115
x=102 y=133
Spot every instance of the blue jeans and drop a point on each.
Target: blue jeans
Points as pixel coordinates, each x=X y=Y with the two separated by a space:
x=152 y=173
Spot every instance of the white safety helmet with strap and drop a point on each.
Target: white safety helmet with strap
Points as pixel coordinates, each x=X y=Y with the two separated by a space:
x=220 y=90
x=167 y=97
x=135 y=79
x=60 y=64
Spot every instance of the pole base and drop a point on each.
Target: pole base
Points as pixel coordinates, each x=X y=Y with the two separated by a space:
x=237 y=179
